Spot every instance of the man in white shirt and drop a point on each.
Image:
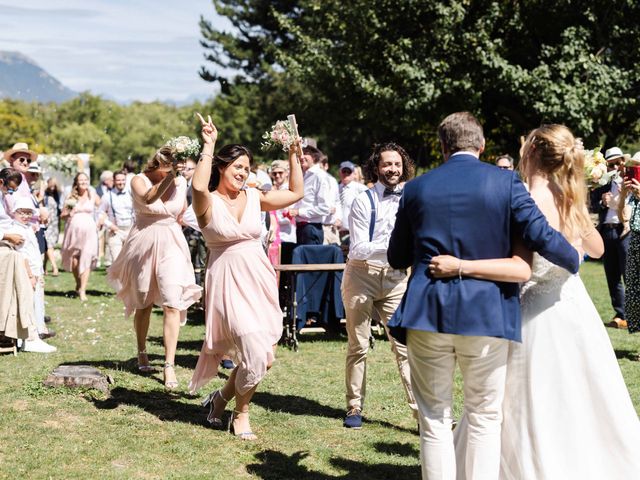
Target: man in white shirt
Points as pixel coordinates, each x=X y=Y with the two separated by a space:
x=309 y=212
x=369 y=284
x=117 y=205
x=349 y=189
x=280 y=175
x=333 y=221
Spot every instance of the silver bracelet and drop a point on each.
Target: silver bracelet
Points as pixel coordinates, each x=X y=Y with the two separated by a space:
x=206 y=155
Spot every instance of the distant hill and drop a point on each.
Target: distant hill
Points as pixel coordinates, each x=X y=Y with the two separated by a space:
x=22 y=79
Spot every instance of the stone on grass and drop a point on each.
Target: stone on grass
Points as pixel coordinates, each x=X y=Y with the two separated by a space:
x=78 y=376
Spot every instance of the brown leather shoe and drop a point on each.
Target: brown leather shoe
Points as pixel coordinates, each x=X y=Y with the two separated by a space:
x=617 y=323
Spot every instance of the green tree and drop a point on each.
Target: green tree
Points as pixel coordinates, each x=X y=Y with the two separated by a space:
x=378 y=69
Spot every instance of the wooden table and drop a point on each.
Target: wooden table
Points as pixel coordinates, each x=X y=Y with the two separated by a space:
x=289 y=337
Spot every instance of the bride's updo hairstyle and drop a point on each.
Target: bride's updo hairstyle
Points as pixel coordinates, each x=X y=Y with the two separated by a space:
x=225 y=157
x=551 y=150
x=162 y=158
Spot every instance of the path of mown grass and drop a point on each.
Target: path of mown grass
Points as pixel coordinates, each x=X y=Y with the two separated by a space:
x=141 y=431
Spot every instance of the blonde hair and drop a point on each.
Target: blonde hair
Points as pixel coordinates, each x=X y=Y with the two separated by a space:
x=552 y=150
x=162 y=158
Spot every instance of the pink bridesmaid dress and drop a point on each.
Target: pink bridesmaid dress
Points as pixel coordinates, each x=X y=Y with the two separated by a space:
x=243 y=316
x=81 y=237
x=154 y=266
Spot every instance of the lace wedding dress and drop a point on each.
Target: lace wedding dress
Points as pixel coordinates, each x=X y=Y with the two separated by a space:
x=567 y=411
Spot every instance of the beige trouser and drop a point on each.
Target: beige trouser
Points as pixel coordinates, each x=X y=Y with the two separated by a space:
x=115 y=240
x=483 y=363
x=367 y=289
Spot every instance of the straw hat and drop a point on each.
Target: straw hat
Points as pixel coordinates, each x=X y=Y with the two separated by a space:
x=20 y=148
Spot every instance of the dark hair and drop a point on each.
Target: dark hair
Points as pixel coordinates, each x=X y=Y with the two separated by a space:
x=130 y=165
x=371 y=165
x=225 y=157
x=314 y=153
x=460 y=131
x=10 y=174
x=119 y=172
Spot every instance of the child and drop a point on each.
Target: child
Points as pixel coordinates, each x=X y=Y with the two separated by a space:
x=23 y=209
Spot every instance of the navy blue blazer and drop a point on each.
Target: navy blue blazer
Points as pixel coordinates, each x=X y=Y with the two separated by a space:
x=471 y=210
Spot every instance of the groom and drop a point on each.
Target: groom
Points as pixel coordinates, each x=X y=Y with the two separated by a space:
x=472 y=210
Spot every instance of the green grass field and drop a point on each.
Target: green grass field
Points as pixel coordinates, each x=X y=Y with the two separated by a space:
x=140 y=431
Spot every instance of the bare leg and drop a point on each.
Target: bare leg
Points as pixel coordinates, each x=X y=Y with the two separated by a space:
x=76 y=275
x=141 y=326
x=50 y=255
x=171 y=329
x=241 y=425
x=84 y=280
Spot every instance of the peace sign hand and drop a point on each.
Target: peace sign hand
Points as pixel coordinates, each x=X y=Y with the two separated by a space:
x=209 y=132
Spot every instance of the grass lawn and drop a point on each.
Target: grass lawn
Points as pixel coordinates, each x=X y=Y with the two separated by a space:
x=140 y=431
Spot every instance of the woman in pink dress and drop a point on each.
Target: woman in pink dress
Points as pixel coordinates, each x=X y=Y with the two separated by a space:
x=80 y=245
x=243 y=316
x=154 y=266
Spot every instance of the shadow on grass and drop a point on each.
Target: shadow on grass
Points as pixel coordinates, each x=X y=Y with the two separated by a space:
x=627 y=354
x=193 y=345
x=295 y=405
x=131 y=365
x=73 y=294
x=278 y=465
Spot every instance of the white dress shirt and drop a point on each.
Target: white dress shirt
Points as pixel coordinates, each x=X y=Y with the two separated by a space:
x=612 y=212
x=287 y=227
x=334 y=201
x=29 y=249
x=374 y=251
x=5 y=219
x=314 y=206
x=348 y=194
x=118 y=205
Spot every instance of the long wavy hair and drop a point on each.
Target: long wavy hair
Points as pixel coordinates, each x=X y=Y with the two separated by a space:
x=75 y=193
x=225 y=157
x=552 y=151
x=371 y=166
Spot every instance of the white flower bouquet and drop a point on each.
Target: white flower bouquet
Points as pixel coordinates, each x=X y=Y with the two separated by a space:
x=70 y=202
x=184 y=147
x=595 y=168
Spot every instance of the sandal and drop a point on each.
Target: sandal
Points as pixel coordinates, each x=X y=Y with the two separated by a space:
x=169 y=384
x=210 y=400
x=143 y=362
x=245 y=436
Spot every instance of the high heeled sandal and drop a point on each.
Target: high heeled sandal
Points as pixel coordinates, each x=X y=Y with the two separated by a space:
x=210 y=400
x=171 y=384
x=245 y=436
x=144 y=367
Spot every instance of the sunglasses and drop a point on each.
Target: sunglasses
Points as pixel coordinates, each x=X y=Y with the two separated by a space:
x=346 y=171
x=277 y=173
x=504 y=168
x=23 y=159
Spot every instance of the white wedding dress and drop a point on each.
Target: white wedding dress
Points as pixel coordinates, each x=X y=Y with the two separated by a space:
x=567 y=411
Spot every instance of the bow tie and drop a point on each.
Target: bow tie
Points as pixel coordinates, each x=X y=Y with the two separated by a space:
x=388 y=191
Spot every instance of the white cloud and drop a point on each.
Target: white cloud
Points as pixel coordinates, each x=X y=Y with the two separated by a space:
x=129 y=50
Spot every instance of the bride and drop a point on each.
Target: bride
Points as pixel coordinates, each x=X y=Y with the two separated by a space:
x=566 y=413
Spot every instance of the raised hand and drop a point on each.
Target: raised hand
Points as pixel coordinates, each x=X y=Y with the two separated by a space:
x=209 y=133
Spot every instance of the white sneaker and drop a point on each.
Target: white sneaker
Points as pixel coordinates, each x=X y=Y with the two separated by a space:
x=38 y=346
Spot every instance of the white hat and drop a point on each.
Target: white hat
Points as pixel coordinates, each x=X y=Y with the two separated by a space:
x=614 y=153
x=23 y=203
x=20 y=147
x=633 y=161
x=34 y=168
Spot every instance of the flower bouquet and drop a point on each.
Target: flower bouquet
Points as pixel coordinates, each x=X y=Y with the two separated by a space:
x=184 y=147
x=282 y=135
x=595 y=168
x=70 y=203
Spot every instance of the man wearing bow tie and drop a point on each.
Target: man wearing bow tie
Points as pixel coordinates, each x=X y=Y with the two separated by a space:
x=117 y=204
x=369 y=284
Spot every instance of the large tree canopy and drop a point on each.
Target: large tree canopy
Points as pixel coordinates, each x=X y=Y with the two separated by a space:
x=380 y=69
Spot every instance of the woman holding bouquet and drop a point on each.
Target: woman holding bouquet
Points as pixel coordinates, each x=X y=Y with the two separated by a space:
x=243 y=316
x=80 y=245
x=154 y=265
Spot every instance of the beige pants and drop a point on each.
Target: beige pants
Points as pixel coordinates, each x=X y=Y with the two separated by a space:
x=115 y=240
x=367 y=290
x=483 y=363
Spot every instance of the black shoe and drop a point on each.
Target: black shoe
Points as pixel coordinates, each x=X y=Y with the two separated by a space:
x=353 y=419
x=227 y=364
x=47 y=319
x=49 y=334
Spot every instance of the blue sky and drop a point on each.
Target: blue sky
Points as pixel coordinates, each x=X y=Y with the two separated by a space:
x=126 y=50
